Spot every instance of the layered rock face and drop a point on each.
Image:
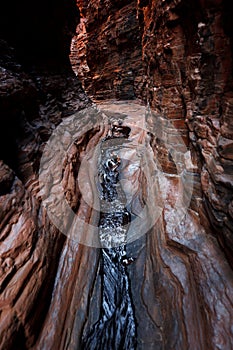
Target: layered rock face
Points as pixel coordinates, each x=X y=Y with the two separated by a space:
x=187 y=49
x=38 y=89
x=176 y=55
x=106 y=52
x=187 y=78
x=186 y=75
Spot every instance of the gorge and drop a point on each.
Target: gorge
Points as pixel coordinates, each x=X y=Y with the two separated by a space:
x=116 y=175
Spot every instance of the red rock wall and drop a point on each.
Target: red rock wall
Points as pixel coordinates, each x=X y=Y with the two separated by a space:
x=30 y=248
x=186 y=75
x=181 y=280
x=34 y=98
x=106 y=52
x=187 y=49
x=186 y=53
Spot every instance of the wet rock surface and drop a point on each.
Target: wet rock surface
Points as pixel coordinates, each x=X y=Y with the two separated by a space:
x=183 y=56
x=51 y=287
x=116 y=326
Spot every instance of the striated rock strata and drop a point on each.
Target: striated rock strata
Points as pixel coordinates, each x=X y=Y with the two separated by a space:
x=182 y=65
x=106 y=52
x=187 y=51
x=177 y=55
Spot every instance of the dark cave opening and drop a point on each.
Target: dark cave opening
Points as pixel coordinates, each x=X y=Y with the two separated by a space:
x=41 y=33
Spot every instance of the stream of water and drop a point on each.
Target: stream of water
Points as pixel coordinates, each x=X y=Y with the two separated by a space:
x=116 y=327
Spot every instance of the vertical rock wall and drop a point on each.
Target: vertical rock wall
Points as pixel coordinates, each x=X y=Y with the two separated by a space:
x=187 y=51
x=180 y=54
x=106 y=52
x=177 y=54
x=38 y=89
x=186 y=75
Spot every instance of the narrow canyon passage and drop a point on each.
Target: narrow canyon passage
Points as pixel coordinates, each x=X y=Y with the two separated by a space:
x=152 y=276
x=116 y=175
